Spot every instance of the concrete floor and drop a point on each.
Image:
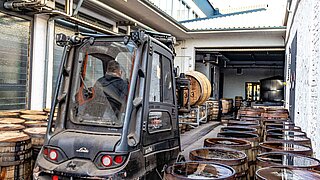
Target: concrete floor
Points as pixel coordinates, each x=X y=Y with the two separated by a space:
x=194 y=138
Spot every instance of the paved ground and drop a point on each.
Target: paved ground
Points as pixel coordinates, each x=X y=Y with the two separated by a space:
x=194 y=138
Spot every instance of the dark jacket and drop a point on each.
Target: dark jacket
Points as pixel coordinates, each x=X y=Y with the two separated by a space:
x=115 y=89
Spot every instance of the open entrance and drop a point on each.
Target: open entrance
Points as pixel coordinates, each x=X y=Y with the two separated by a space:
x=254 y=75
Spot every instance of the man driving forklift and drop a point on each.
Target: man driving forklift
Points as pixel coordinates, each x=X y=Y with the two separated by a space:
x=110 y=94
x=114 y=87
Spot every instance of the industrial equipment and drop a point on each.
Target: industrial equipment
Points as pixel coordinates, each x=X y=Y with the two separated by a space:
x=129 y=131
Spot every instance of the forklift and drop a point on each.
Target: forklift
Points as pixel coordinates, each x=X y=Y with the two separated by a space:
x=129 y=130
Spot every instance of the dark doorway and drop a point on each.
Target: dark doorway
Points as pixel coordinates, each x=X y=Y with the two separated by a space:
x=292 y=75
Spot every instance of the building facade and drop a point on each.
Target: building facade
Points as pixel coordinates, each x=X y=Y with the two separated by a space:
x=302 y=67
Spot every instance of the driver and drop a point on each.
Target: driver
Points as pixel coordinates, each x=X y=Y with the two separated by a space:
x=114 y=87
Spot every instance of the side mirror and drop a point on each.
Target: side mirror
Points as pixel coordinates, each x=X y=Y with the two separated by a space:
x=61 y=39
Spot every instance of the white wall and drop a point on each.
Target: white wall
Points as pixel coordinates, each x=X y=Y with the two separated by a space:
x=306 y=24
x=234 y=85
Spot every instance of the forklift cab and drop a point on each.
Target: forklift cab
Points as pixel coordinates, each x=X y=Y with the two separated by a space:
x=117 y=111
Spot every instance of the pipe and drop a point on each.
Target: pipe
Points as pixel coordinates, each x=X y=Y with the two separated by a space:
x=118 y=13
x=83 y=23
x=13 y=5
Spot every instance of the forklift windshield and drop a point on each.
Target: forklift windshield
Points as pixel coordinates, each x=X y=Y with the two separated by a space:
x=101 y=83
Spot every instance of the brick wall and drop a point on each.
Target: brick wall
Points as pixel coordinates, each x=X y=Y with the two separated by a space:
x=306 y=24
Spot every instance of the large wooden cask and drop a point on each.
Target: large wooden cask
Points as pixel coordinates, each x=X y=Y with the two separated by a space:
x=200 y=87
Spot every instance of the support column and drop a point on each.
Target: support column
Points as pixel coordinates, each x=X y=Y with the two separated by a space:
x=49 y=61
x=38 y=62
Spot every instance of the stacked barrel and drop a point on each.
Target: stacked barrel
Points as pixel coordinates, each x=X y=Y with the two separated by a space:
x=286 y=146
x=15 y=148
x=21 y=138
x=238 y=101
x=261 y=142
x=199 y=93
x=227 y=105
x=213 y=109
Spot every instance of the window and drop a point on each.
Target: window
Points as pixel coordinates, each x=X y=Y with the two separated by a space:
x=101 y=83
x=14 y=56
x=155 y=83
x=167 y=81
x=161 y=80
x=94 y=71
x=159 y=121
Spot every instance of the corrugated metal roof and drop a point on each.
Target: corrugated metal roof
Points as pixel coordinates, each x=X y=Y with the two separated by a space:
x=250 y=19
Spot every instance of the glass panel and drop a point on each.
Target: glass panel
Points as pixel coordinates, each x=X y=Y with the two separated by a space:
x=159 y=121
x=167 y=81
x=94 y=71
x=102 y=83
x=155 y=85
x=14 y=56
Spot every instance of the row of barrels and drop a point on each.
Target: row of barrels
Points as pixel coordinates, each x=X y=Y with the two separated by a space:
x=213 y=110
x=21 y=138
x=255 y=146
x=209 y=111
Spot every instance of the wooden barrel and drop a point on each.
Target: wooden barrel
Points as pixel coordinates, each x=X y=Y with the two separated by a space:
x=239 y=129
x=32 y=112
x=254 y=141
x=7 y=114
x=226 y=106
x=250 y=118
x=47 y=110
x=277 y=121
x=34 y=117
x=11 y=121
x=29 y=124
x=15 y=153
x=282 y=126
x=285 y=132
x=277 y=110
x=37 y=135
x=11 y=127
x=200 y=88
x=199 y=170
x=252 y=112
x=287 y=160
x=275 y=115
x=235 y=159
x=21 y=171
x=291 y=139
x=285 y=173
x=272 y=146
x=231 y=143
x=15 y=147
x=252 y=124
x=238 y=101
